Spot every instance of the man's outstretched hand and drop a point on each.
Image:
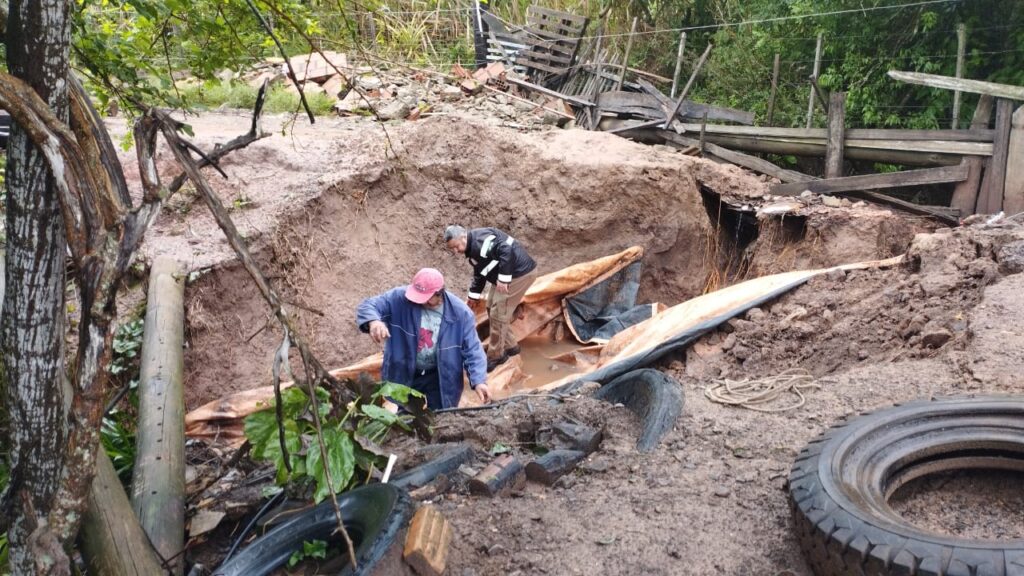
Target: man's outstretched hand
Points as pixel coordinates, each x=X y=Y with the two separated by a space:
x=379 y=331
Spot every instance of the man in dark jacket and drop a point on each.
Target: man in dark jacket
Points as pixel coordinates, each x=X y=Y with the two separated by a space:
x=430 y=337
x=502 y=261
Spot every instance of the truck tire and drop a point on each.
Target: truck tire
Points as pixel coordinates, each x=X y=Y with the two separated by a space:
x=655 y=397
x=374 y=516
x=841 y=482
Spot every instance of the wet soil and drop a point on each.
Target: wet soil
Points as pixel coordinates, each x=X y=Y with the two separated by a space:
x=339 y=221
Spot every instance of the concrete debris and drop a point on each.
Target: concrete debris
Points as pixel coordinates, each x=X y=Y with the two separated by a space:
x=397 y=93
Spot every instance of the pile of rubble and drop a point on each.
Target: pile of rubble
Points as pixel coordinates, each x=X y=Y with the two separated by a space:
x=392 y=93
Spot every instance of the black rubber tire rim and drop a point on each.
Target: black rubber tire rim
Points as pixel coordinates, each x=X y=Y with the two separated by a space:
x=841 y=483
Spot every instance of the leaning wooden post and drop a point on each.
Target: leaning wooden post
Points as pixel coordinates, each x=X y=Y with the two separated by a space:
x=961 y=45
x=111 y=540
x=625 y=60
x=775 y=86
x=965 y=195
x=834 y=145
x=686 y=89
x=679 y=64
x=158 y=483
x=817 y=69
x=1013 y=197
x=990 y=200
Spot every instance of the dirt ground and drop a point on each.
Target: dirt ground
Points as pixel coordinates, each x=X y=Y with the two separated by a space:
x=334 y=218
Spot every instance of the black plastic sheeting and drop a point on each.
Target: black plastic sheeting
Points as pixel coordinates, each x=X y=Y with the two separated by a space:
x=678 y=342
x=374 y=515
x=608 y=307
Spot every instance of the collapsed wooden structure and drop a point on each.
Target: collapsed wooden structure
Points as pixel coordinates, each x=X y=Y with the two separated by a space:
x=984 y=161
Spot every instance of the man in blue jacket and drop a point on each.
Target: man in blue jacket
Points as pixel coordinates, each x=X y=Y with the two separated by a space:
x=430 y=339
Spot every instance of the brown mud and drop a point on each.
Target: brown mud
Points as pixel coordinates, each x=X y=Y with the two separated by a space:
x=336 y=221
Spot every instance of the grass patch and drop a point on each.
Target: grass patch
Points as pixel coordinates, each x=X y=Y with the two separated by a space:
x=238 y=95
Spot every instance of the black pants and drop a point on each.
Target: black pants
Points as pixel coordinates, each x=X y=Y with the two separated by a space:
x=429 y=383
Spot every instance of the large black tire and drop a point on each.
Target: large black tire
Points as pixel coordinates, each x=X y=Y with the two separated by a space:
x=374 y=516
x=840 y=485
x=655 y=397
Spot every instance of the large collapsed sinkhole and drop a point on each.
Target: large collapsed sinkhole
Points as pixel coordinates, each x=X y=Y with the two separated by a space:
x=569 y=196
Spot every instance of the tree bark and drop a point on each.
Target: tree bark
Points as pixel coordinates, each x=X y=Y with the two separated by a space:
x=32 y=334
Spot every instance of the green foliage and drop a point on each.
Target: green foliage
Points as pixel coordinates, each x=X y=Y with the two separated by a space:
x=239 y=95
x=349 y=439
x=117 y=431
x=310 y=549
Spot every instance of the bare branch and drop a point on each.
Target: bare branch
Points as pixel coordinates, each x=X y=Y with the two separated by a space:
x=287 y=62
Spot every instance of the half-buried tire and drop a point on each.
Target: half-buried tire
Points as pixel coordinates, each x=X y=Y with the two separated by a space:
x=374 y=516
x=653 y=396
x=841 y=482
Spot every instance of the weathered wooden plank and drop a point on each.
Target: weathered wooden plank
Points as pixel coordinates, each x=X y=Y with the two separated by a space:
x=965 y=195
x=1013 y=197
x=549 y=92
x=990 y=198
x=875 y=181
x=691 y=109
x=836 y=126
x=778 y=146
x=973 y=135
x=950 y=83
x=545 y=57
x=689 y=84
x=540 y=66
x=535 y=10
x=936 y=146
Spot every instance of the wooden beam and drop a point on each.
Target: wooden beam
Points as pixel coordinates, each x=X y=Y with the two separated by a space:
x=158 y=483
x=1013 y=197
x=814 y=76
x=689 y=84
x=965 y=195
x=836 y=126
x=679 y=64
x=816 y=149
x=548 y=92
x=625 y=59
x=979 y=135
x=875 y=181
x=111 y=540
x=745 y=160
x=990 y=199
x=961 y=84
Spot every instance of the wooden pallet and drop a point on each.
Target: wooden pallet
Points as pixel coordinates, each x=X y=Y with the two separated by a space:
x=551 y=39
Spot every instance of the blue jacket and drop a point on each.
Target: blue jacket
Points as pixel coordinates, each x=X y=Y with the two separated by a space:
x=458 y=345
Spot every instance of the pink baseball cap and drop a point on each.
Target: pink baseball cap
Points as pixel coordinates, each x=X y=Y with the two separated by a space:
x=425 y=284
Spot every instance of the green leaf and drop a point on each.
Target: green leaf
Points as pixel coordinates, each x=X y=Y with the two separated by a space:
x=398 y=392
x=340 y=461
x=315 y=549
x=380 y=414
x=499 y=448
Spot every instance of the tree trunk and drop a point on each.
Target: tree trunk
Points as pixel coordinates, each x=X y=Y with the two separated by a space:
x=32 y=334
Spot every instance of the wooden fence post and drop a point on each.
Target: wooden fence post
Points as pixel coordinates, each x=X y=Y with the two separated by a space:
x=817 y=70
x=836 y=129
x=775 y=86
x=1013 y=198
x=679 y=64
x=625 y=60
x=961 y=45
x=158 y=484
x=990 y=200
x=965 y=195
